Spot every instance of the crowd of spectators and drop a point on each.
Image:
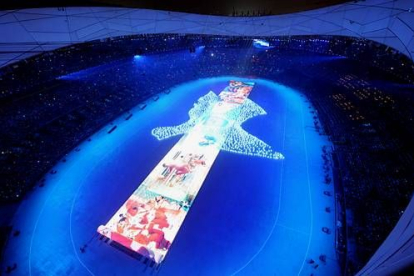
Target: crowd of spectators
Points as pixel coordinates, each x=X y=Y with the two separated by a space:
x=362 y=92
x=45 y=111
x=253 y=13
x=369 y=117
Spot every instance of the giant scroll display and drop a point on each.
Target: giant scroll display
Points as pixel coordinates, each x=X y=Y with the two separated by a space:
x=150 y=219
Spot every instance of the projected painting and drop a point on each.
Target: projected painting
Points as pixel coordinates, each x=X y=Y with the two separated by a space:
x=150 y=219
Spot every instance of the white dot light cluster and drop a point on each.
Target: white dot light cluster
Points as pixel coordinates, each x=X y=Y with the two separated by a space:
x=237 y=140
x=202 y=106
x=241 y=142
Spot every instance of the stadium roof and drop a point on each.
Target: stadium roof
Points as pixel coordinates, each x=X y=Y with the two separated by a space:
x=217 y=7
x=31 y=31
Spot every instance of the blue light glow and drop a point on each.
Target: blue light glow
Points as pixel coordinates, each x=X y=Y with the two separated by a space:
x=199 y=49
x=260 y=43
x=240 y=191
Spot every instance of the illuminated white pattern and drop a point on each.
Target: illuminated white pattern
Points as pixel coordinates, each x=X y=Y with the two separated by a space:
x=237 y=140
x=261 y=43
x=202 y=106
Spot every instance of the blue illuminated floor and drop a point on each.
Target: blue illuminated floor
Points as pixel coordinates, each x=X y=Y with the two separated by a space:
x=253 y=216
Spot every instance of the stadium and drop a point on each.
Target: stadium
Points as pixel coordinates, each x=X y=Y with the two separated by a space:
x=223 y=139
